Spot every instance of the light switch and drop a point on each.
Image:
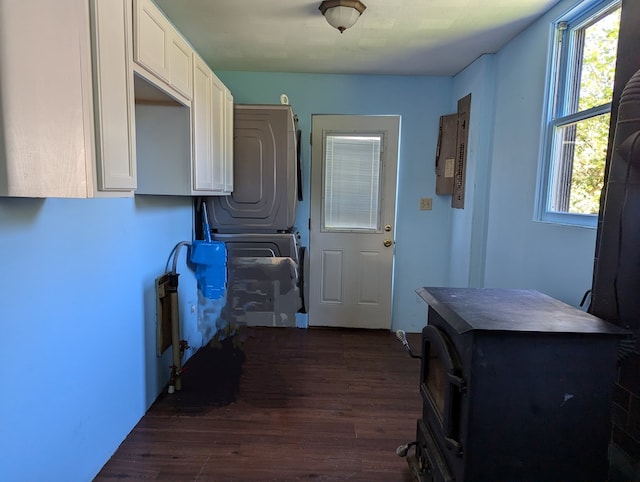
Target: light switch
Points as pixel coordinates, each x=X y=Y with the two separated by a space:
x=426 y=204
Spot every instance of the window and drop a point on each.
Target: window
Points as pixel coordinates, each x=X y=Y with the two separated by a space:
x=351 y=181
x=578 y=114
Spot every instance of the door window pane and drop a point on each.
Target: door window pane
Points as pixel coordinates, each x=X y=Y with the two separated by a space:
x=351 y=182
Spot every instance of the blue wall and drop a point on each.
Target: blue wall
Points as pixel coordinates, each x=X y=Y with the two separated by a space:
x=77 y=332
x=422 y=237
x=521 y=252
x=469 y=225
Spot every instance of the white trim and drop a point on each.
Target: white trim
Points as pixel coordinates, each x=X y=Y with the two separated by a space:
x=577 y=17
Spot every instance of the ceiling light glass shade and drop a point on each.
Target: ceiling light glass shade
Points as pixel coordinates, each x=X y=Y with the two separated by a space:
x=342 y=14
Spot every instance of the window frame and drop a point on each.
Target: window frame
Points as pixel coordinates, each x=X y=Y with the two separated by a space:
x=561 y=67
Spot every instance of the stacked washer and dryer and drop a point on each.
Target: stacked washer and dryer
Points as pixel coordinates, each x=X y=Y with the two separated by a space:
x=256 y=222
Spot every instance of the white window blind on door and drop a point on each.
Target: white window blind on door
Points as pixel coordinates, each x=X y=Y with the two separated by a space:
x=351 y=182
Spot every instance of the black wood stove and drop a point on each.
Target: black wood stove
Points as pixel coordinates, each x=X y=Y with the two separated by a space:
x=516 y=386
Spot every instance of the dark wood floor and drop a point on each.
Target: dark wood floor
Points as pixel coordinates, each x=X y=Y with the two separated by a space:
x=316 y=404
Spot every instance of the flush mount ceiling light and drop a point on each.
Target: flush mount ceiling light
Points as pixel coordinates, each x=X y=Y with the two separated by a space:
x=342 y=14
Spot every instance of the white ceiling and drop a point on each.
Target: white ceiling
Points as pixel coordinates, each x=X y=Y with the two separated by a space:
x=407 y=37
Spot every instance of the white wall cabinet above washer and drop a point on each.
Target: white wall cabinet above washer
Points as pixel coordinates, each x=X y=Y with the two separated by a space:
x=228 y=142
x=185 y=150
x=184 y=113
x=212 y=132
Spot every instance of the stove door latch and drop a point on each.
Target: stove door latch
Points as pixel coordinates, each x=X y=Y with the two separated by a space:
x=458 y=382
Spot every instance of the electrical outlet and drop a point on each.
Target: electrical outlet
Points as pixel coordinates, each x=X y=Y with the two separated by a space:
x=426 y=204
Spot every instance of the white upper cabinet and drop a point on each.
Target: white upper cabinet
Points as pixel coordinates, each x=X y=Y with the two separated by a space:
x=178 y=154
x=160 y=48
x=113 y=94
x=151 y=35
x=228 y=142
x=180 y=71
x=212 y=129
x=204 y=175
x=217 y=134
x=185 y=150
x=48 y=145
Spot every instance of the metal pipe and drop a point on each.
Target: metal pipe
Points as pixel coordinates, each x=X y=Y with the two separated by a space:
x=175 y=340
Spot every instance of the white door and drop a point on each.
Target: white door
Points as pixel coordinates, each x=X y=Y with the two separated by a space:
x=353 y=193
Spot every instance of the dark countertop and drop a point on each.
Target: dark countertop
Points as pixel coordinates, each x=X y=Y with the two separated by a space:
x=467 y=309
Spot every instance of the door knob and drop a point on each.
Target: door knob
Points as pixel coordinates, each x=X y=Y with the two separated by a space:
x=387 y=242
x=387 y=228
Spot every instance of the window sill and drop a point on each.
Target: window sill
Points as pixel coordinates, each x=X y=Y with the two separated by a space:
x=589 y=221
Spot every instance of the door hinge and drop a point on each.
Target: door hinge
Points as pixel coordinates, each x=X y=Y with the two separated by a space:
x=309 y=224
x=311 y=138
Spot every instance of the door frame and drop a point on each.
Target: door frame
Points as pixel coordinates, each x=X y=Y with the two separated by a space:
x=389 y=126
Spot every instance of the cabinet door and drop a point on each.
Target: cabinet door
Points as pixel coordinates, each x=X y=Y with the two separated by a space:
x=113 y=95
x=180 y=69
x=45 y=87
x=217 y=133
x=228 y=142
x=152 y=32
x=202 y=167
